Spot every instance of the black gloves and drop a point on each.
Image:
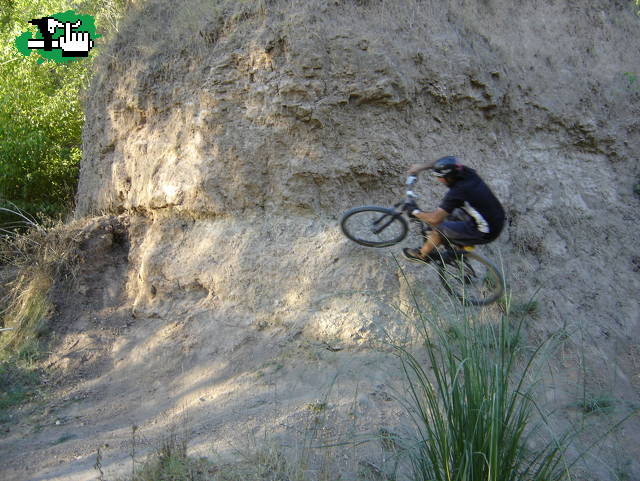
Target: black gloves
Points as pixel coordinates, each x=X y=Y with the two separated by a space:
x=410 y=206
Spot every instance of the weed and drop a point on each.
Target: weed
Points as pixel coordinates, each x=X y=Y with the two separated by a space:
x=172 y=463
x=631 y=77
x=597 y=404
x=98 y=465
x=134 y=430
x=269 y=369
x=525 y=309
x=519 y=309
x=316 y=407
x=388 y=439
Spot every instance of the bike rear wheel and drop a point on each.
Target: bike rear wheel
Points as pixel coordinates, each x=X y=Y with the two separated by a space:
x=472 y=279
x=374 y=226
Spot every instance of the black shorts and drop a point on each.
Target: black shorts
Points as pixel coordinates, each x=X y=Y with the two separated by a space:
x=463 y=233
x=459 y=228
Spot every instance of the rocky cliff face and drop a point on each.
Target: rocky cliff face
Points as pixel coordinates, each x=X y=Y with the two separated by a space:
x=235 y=141
x=232 y=137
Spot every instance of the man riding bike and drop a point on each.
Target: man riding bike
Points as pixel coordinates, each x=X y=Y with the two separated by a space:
x=469 y=214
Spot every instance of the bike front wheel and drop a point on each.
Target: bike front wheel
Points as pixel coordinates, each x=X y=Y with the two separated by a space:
x=374 y=226
x=472 y=279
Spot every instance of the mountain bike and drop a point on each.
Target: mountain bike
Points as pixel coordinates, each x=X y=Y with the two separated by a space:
x=467 y=275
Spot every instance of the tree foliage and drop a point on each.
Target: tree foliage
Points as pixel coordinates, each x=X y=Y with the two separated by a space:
x=40 y=118
x=41 y=113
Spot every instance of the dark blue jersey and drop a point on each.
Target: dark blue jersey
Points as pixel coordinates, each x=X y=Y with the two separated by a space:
x=472 y=195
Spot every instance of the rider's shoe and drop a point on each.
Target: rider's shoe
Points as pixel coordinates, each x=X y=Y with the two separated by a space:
x=415 y=256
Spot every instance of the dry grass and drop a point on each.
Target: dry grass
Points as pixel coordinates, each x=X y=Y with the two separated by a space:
x=258 y=460
x=30 y=263
x=31 y=259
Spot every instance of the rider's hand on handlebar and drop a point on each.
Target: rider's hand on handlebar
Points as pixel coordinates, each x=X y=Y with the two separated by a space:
x=410 y=206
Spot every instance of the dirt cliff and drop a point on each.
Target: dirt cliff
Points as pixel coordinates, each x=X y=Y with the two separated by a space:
x=294 y=114
x=225 y=140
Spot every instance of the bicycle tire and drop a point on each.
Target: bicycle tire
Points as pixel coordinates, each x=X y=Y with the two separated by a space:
x=366 y=225
x=475 y=282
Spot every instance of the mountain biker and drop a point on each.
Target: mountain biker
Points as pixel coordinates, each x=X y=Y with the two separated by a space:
x=469 y=213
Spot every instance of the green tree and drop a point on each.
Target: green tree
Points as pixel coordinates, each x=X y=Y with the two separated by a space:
x=41 y=114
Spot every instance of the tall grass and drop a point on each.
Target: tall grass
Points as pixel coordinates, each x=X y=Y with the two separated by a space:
x=474 y=406
x=32 y=256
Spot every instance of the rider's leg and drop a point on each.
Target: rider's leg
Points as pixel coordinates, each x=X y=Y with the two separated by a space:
x=433 y=240
x=455 y=232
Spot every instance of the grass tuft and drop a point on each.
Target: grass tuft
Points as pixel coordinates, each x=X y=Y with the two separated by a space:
x=170 y=462
x=473 y=404
x=30 y=261
x=598 y=404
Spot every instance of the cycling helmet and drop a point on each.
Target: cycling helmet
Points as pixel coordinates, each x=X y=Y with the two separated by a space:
x=448 y=167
